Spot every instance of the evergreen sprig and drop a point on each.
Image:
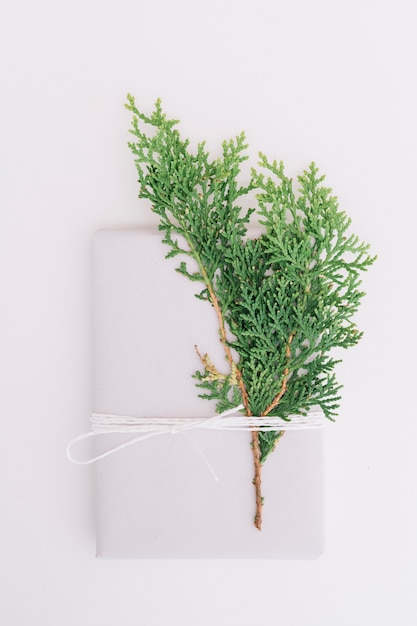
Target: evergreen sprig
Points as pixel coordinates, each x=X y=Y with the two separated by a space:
x=283 y=300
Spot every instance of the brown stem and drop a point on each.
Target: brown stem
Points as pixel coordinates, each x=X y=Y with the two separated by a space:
x=257 y=479
x=283 y=389
x=255 y=438
x=223 y=339
x=256 y=451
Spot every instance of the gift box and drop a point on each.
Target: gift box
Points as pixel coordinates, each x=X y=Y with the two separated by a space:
x=185 y=494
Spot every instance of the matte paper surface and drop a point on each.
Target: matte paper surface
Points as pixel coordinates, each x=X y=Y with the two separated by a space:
x=158 y=498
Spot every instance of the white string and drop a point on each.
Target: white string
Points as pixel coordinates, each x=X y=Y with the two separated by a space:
x=146 y=427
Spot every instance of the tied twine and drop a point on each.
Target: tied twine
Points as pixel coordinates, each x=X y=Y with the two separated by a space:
x=145 y=427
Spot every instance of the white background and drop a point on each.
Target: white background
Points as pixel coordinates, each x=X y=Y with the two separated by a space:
x=329 y=81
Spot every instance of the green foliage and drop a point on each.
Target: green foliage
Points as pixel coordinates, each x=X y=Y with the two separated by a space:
x=285 y=298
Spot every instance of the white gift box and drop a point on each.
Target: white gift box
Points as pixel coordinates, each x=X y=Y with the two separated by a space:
x=184 y=495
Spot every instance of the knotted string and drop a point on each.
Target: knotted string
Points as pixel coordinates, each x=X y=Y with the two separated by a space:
x=145 y=427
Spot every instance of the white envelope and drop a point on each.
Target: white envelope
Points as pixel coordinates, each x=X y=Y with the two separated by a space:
x=159 y=498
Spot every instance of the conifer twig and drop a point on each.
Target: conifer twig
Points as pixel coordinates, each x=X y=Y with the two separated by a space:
x=302 y=272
